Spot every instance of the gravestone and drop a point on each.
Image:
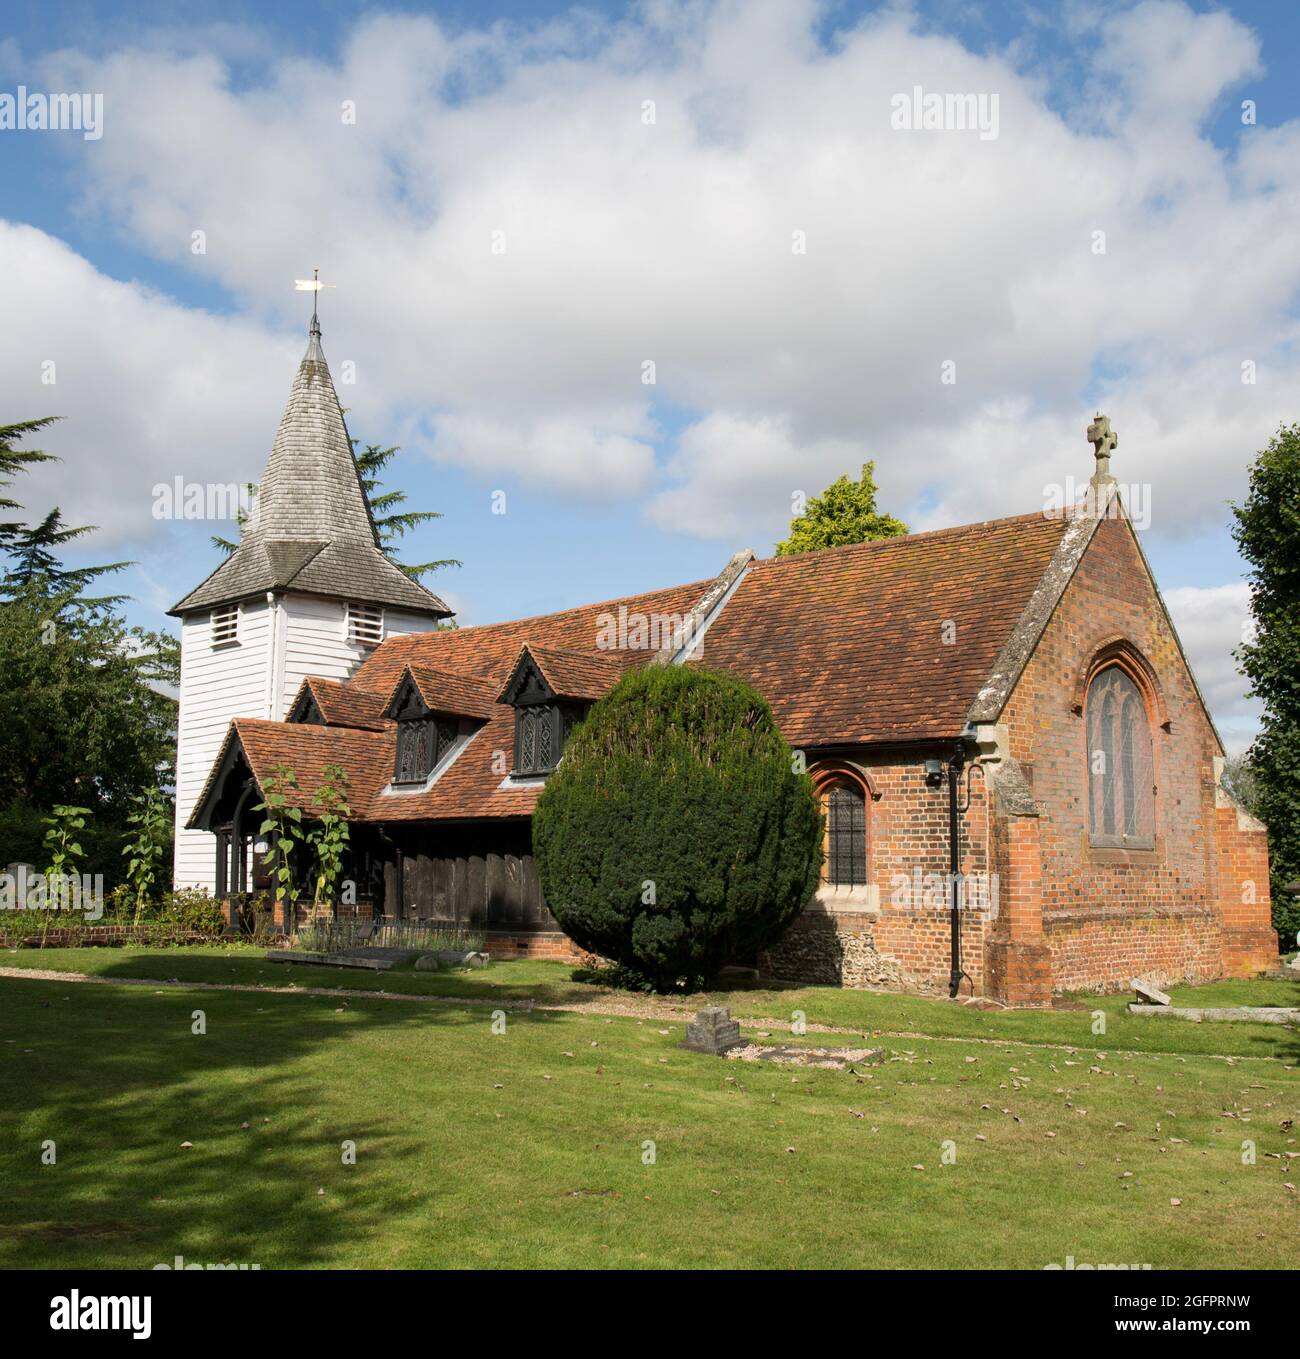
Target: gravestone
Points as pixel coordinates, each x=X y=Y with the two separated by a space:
x=1147 y=994
x=712 y=1031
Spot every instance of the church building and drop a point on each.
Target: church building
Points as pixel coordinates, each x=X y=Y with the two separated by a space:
x=1020 y=776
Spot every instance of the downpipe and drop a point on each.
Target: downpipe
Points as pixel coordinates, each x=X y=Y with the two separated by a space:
x=955 y=769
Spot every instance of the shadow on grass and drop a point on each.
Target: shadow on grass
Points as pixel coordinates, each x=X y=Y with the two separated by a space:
x=117 y=1080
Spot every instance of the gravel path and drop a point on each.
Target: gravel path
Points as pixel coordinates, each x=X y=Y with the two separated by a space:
x=602 y=1003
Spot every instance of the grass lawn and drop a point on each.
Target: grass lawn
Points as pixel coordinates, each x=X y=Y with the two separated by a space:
x=529 y=1147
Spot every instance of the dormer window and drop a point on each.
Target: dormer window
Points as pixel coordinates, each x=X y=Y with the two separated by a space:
x=365 y=624
x=424 y=738
x=539 y=738
x=225 y=625
x=543 y=717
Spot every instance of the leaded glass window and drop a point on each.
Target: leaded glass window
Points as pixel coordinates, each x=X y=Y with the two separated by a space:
x=541 y=730
x=846 y=836
x=1121 y=771
x=421 y=745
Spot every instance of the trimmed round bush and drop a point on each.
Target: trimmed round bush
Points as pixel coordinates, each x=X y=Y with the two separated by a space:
x=675 y=836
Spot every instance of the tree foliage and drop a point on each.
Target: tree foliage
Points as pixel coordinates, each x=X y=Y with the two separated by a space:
x=391 y=521
x=14 y=460
x=675 y=835
x=1238 y=779
x=83 y=717
x=1267 y=531
x=86 y=714
x=845 y=512
x=33 y=560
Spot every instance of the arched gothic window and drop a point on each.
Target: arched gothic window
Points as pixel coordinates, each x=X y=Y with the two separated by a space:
x=846 y=834
x=1121 y=768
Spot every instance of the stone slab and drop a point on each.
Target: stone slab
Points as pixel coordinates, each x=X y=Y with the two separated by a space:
x=1148 y=994
x=836 y=1059
x=285 y=955
x=1239 y=1014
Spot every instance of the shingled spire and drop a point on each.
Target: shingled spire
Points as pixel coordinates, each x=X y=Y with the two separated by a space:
x=312 y=529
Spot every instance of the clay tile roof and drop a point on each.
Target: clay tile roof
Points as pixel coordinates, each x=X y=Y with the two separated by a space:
x=884 y=641
x=573 y=674
x=471 y=786
x=346 y=705
x=492 y=650
x=445 y=691
x=366 y=756
x=877 y=642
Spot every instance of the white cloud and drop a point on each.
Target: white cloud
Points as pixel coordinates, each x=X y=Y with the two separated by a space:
x=572 y=453
x=148 y=390
x=628 y=240
x=1212 y=623
x=671 y=241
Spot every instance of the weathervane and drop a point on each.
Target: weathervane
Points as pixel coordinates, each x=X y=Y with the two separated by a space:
x=312 y=285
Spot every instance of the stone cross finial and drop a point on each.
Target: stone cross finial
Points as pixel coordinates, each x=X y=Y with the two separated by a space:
x=1103 y=440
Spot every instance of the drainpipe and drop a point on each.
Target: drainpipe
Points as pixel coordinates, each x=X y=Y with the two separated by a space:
x=955 y=972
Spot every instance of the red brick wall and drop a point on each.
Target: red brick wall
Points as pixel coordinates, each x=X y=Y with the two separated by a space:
x=552 y=944
x=1241 y=853
x=907 y=943
x=909 y=825
x=1103 y=949
x=1109 y=914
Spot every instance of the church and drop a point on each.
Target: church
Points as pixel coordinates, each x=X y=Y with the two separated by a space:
x=1019 y=774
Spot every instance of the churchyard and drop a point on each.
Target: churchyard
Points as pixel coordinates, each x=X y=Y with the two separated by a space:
x=210 y=1104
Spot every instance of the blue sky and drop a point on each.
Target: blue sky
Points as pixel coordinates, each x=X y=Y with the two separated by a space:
x=666 y=240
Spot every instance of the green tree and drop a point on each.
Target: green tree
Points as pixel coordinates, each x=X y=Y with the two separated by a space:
x=1267 y=531
x=393 y=523
x=31 y=548
x=84 y=718
x=14 y=459
x=845 y=512
x=87 y=716
x=1238 y=779
x=676 y=836
x=32 y=552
